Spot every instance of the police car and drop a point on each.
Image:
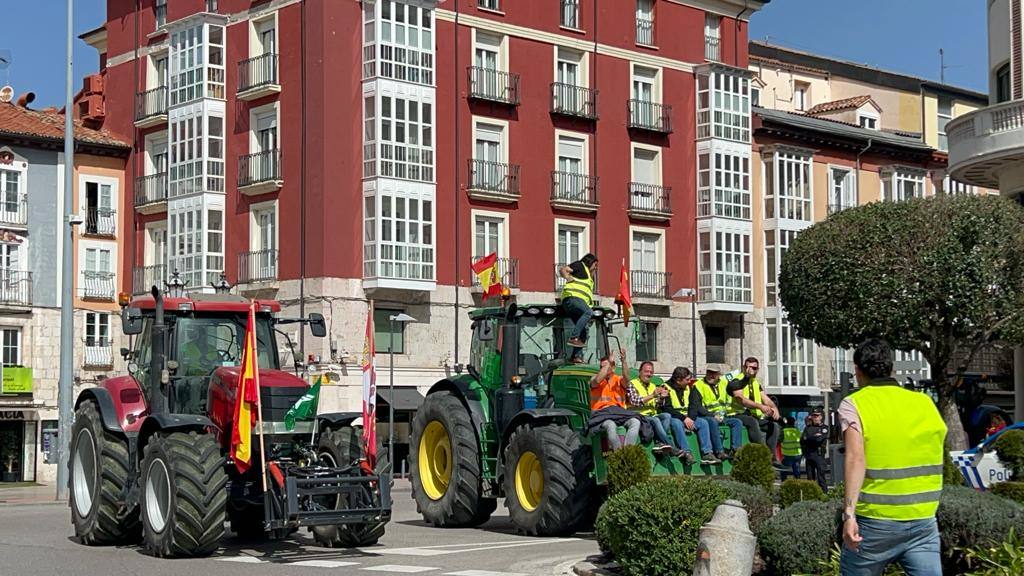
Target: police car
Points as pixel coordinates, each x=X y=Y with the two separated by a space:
x=979 y=465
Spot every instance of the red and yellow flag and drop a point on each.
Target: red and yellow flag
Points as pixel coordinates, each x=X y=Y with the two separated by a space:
x=369 y=367
x=623 y=298
x=486 y=270
x=246 y=398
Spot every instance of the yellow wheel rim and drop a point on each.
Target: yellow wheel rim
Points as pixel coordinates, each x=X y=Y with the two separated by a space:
x=529 y=481
x=435 y=460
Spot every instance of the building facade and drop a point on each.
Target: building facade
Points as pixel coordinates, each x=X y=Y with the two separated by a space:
x=31 y=223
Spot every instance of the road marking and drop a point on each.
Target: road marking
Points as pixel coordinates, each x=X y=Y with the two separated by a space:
x=240 y=559
x=483 y=573
x=443 y=549
x=323 y=563
x=400 y=568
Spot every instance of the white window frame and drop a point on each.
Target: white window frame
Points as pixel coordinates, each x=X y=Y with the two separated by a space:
x=657 y=170
x=788 y=210
x=18 y=349
x=583 y=225
x=717 y=117
x=892 y=178
x=149 y=256
x=585 y=161
x=382 y=248
x=659 y=247
x=645 y=11
x=385 y=56
x=257 y=113
x=573 y=56
x=490 y=5
x=801 y=91
x=503 y=230
x=389 y=164
x=656 y=96
x=259 y=25
x=781 y=362
x=152 y=81
x=867 y=120
x=153 y=142
x=502 y=44
x=848 y=195
x=712 y=32
x=719 y=232
x=497 y=122
x=729 y=163
x=939 y=127
x=21 y=169
x=255 y=238
x=99 y=319
x=955 y=187
x=774 y=250
x=562 y=6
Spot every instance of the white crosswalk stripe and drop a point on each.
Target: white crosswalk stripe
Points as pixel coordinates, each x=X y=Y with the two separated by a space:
x=323 y=563
x=483 y=573
x=400 y=569
x=240 y=559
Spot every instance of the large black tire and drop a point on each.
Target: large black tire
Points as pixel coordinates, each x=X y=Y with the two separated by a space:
x=562 y=501
x=99 y=474
x=341 y=447
x=184 y=500
x=461 y=502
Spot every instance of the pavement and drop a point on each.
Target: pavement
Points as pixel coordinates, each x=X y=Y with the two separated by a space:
x=36 y=537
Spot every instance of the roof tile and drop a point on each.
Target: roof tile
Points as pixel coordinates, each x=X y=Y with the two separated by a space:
x=49 y=124
x=836 y=105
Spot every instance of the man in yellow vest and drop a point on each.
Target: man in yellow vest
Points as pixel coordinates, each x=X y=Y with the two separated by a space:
x=715 y=400
x=754 y=408
x=577 y=299
x=688 y=410
x=649 y=400
x=894 y=446
x=791 y=446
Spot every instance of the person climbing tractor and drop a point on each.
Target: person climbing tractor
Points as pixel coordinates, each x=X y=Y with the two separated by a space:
x=577 y=299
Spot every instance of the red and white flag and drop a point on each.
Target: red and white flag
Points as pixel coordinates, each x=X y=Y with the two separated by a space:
x=369 y=365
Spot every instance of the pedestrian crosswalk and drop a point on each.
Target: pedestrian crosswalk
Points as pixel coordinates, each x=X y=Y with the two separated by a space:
x=380 y=568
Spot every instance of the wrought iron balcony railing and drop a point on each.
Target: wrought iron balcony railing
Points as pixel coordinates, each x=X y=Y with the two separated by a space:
x=712 y=48
x=496 y=178
x=645 y=31
x=100 y=221
x=573 y=188
x=151 y=103
x=145 y=277
x=652 y=116
x=257 y=71
x=493 y=85
x=650 y=198
x=98 y=285
x=508 y=272
x=259 y=168
x=572 y=100
x=14 y=210
x=257 y=266
x=150 y=189
x=15 y=287
x=646 y=283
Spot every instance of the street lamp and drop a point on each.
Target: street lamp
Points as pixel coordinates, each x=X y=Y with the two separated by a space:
x=400 y=318
x=691 y=293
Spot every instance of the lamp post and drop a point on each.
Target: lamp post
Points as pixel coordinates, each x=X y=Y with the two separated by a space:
x=400 y=318
x=691 y=293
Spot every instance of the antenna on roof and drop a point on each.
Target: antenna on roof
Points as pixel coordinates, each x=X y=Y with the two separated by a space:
x=943 y=66
x=5 y=62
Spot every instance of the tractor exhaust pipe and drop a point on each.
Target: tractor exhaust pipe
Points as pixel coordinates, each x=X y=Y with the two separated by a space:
x=158 y=357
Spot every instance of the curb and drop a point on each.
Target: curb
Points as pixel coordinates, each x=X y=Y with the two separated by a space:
x=595 y=566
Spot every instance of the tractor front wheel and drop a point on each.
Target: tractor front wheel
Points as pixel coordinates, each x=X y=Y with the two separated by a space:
x=340 y=447
x=183 y=497
x=547 y=483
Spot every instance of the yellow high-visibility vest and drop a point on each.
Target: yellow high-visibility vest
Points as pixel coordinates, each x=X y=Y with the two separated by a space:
x=650 y=407
x=715 y=398
x=790 y=441
x=904 y=439
x=752 y=391
x=582 y=288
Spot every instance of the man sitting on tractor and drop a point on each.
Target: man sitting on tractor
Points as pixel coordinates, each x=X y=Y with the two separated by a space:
x=715 y=402
x=652 y=402
x=608 y=404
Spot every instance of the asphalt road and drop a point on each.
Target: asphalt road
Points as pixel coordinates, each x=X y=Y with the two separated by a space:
x=38 y=539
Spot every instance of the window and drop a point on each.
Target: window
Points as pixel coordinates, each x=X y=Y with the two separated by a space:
x=568 y=68
x=403 y=232
x=160 y=13
x=712 y=37
x=196 y=239
x=955 y=187
x=790 y=358
x=570 y=155
x=570 y=14
x=723 y=106
x=571 y=242
x=714 y=344
x=369 y=137
x=157 y=158
x=723 y=182
x=264 y=235
x=489 y=152
x=10 y=258
x=755 y=96
x=489 y=4
x=489 y=236
x=776 y=242
x=211 y=5
x=159 y=71
x=647 y=342
x=902 y=183
x=382 y=335
x=800 y=95
x=571 y=184
x=644 y=84
x=406 y=139
x=842 y=190
x=266 y=36
x=406 y=42
x=11 y=198
x=11 y=346
x=197 y=60
x=156 y=246
x=265 y=131
x=945 y=114
x=645 y=22
x=487 y=54
x=97 y=329
x=1003 y=84
x=788 y=186
x=724 y=270
x=643 y=111
x=646 y=252
x=869 y=122
x=99 y=212
x=97 y=260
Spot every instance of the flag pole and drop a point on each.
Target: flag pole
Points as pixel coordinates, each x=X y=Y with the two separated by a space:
x=259 y=402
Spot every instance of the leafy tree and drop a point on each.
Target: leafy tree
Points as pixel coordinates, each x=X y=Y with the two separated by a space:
x=942 y=275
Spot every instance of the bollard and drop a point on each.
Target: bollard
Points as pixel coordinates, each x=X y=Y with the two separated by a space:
x=726 y=546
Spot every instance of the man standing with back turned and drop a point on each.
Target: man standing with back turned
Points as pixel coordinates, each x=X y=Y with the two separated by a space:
x=577 y=299
x=894 y=443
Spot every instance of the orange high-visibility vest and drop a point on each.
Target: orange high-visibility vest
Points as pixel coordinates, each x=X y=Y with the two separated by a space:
x=608 y=392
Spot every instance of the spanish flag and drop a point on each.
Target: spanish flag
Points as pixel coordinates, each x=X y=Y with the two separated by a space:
x=246 y=398
x=486 y=270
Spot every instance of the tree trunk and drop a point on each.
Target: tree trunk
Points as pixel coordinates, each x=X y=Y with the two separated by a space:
x=956 y=436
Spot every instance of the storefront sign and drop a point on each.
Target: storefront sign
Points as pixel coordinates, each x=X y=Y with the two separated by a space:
x=12 y=415
x=16 y=380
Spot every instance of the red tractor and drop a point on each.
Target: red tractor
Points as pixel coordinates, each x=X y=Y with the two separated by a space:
x=150 y=449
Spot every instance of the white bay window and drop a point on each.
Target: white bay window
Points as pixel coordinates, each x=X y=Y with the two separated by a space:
x=723 y=180
x=398 y=236
x=787 y=180
x=900 y=183
x=723 y=103
x=724 y=273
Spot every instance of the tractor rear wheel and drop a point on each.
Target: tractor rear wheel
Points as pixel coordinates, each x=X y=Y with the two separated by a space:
x=99 y=479
x=444 y=460
x=547 y=483
x=340 y=447
x=183 y=497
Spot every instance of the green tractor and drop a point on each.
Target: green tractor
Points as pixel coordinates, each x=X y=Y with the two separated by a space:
x=515 y=426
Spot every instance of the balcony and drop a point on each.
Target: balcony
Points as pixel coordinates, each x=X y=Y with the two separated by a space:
x=644 y=31
x=650 y=201
x=986 y=147
x=14 y=211
x=574 y=101
x=257 y=266
x=145 y=277
x=151 y=194
x=100 y=221
x=151 y=107
x=650 y=116
x=257 y=77
x=573 y=191
x=493 y=181
x=712 y=48
x=508 y=272
x=15 y=288
x=495 y=86
x=260 y=173
x=98 y=286
x=560 y=282
x=648 y=284
x=99 y=353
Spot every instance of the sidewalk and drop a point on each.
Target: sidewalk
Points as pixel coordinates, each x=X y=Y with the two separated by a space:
x=28 y=494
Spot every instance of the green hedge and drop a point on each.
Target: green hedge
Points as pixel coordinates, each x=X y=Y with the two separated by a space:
x=837 y=491
x=951 y=475
x=795 y=490
x=627 y=467
x=753 y=465
x=1010 y=450
x=652 y=529
x=758 y=503
x=1011 y=490
x=971 y=519
x=798 y=539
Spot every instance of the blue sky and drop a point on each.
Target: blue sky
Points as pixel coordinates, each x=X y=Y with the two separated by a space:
x=874 y=32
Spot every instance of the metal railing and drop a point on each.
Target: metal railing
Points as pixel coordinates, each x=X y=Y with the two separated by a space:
x=259 y=167
x=645 y=31
x=145 y=277
x=257 y=71
x=649 y=284
x=570 y=13
x=494 y=177
x=645 y=115
x=98 y=352
x=14 y=210
x=257 y=265
x=493 y=85
x=572 y=100
x=15 y=287
x=573 y=188
x=508 y=272
x=650 y=198
x=98 y=285
x=151 y=103
x=560 y=282
x=150 y=189
x=100 y=221
x=712 y=48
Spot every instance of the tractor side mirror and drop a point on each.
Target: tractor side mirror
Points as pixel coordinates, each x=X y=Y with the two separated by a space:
x=131 y=321
x=125 y=353
x=485 y=331
x=317 y=326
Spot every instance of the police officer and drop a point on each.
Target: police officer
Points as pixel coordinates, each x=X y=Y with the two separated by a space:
x=813 y=444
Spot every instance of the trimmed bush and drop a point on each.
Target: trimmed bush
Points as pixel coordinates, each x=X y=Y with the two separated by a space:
x=1011 y=490
x=758 y=503
x=837 y=492
x=794 y=490
x=652 y=529
x=627 y=467
x=798 y=539
x=975 y=520
x=951 y=475
x=753 y=465
x=1010 y=450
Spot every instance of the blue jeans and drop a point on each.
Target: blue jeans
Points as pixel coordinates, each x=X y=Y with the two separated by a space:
x=914 y=545
x=678 y=432
x=661 y=423
x=580 y=314
x=735 y=432
x=708 y=434
x=794 y=465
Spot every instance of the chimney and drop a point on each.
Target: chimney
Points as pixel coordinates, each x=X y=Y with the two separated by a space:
x=25 y=99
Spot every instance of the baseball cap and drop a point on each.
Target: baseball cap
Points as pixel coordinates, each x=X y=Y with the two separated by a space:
x=716 y=368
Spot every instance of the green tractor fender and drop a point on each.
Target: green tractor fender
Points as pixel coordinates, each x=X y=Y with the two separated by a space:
x=533 y=417
x=472 y=398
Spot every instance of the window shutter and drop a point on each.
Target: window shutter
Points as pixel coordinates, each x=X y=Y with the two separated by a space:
x=1016 y=67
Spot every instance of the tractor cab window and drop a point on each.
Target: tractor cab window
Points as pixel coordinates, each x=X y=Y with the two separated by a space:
x=141 y=357
x=543 y=338
x=485 y=346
